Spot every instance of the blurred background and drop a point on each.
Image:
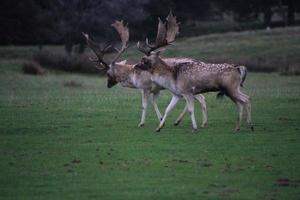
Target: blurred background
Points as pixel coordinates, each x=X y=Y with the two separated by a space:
x=37 y=23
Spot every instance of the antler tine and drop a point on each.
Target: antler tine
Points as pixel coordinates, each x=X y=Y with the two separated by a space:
x=98 y=51
x=124 y=35
x=161 y=34
x=100 y=67
x=166 y=34
x=142 y=48
x=172 y=28
x=105 y=49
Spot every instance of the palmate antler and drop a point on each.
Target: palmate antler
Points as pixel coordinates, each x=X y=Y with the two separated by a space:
x=124 y=35
x=166 y=34
x=100 y=51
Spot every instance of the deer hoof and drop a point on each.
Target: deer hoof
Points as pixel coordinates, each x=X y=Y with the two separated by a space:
x=236 y=130
x=176 y=123
x=141 y=125
x=204 y=125
x=158 y=129
x=194 y=130
x=252 y=128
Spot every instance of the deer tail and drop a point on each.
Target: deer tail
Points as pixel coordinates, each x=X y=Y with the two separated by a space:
x=243 y=73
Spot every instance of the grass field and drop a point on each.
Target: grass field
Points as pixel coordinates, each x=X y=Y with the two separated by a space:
x=62 y=142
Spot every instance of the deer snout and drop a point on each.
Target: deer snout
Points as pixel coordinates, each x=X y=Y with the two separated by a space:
x=111 y=81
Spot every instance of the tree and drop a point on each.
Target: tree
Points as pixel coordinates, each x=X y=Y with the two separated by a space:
x=293 y=6
x=241 y=9
x=93 y=16
x=19 y=21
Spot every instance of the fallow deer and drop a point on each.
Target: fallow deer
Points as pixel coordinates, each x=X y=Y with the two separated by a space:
x=129 y=76
x=192 y=78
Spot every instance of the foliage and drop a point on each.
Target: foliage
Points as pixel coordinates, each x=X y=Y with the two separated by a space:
x=33 y=68
x=62 y=21
x=76 y=63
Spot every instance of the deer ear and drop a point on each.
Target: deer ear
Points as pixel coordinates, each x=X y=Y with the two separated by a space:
x=123 y=62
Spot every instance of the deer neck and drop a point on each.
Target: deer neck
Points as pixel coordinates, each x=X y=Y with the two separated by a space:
x=162 y=75
x=162 y=68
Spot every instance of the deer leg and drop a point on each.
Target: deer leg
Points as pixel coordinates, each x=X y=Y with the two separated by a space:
x=248 y=110
x=181 y=115
x=249 y=116
x=190 y=103
x=170 y=107
x=240 y=116
x=240 y=100
x=201 y=100
x=155 y=98
x=145 y=96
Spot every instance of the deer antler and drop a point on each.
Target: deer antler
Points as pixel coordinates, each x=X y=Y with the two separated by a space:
x=166 y=34
x=124 y=35
x=98 y=51
x=173 y=28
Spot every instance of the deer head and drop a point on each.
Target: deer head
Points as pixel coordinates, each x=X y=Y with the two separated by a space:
x=166 y=34
x=100 y=51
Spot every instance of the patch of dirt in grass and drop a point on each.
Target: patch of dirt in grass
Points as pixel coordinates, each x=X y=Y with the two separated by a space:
x=270 y=167
x=284 y=119
x=204 y=163
x=229 y=168
x=72 y=83
x=214 y=185
x=70 y=166
x=222 y=190
x=136 y=162
x=70 y=171
x=227 y=192
x=76 y=161
x=180 y=161
x=87 y=142
x=285 y=182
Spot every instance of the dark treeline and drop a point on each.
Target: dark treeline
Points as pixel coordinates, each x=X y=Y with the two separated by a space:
x=62 y=21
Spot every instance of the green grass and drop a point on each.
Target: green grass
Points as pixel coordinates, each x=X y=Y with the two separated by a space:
x=59 y=142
